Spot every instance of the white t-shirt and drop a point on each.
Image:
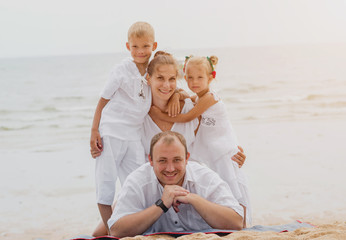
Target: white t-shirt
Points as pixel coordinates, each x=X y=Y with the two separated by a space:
x=142 y=189
x=187 y=129
x=130 y=100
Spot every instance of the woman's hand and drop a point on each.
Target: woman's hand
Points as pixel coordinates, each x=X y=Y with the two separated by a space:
x=239 y=157
x=155 y=112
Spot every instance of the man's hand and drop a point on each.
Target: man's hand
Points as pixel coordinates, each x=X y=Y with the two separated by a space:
x=170 y=192
x=239 y=157
x=179 y=200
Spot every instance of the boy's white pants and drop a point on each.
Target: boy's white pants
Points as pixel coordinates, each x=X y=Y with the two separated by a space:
x=118 y=159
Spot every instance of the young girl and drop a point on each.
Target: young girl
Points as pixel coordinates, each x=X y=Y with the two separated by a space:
x=215 y=141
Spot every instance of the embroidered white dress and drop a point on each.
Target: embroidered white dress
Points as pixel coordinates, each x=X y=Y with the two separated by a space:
x=150 y=128
x=215 y=144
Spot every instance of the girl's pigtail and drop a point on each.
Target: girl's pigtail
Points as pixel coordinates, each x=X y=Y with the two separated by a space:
x=213 y=60
x=185 y=62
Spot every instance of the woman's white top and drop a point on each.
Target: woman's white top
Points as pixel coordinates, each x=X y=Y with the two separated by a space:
x=186 y=129
x=215 y=136
x=130 y=101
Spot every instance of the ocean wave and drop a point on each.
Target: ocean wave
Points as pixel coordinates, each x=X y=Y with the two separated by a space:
x=334 y=99
x=283 y=99
x=3 y=128
x=338 y=104
x=69 y=98
x=245 y=89
x=5 y=111
x=320 y=96
x=315 y=96
x=68 y=109
x=50 y=109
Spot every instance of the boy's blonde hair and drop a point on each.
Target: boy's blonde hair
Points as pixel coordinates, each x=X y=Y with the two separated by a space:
x=207 y=62
x=141 y=29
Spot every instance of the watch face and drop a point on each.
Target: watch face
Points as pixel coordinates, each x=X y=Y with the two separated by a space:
x=158 y=202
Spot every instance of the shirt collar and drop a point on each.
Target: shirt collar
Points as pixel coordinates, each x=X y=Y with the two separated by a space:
x=188 y=176
x=132 y=65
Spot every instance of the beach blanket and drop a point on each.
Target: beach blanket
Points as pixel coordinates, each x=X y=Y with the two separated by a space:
x=258 y=228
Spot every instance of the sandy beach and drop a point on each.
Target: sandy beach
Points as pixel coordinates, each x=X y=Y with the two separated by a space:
x=294 y=142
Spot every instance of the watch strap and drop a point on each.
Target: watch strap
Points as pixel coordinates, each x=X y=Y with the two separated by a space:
x=160 y=204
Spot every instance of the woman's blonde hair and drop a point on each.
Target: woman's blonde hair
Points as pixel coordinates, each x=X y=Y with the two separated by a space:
x=162 y=58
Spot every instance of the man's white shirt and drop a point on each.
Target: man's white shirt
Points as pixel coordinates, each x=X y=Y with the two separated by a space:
x=142 y=189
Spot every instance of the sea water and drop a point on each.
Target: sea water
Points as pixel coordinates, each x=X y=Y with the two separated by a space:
x=47 y=103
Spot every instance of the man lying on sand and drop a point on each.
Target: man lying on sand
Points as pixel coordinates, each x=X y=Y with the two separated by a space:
x=168 y=194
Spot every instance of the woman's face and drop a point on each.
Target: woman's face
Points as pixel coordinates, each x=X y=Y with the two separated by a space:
x=163 y=82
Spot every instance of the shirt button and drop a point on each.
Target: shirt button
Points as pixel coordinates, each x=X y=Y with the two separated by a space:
x=176 y=222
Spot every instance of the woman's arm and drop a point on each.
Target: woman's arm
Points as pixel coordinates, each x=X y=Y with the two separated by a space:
x=203 y=104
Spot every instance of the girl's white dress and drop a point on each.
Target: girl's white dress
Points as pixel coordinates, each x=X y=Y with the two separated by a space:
x=215 y=144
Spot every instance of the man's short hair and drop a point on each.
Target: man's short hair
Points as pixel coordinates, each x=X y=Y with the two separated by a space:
x=141 y=29
x=168 y=137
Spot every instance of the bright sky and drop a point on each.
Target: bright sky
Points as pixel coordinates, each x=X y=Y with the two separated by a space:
x=62 y=27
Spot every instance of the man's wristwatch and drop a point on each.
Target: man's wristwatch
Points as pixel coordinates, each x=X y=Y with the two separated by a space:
x=160 y=204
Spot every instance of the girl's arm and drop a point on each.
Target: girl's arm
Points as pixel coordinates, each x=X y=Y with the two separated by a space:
x=174 y=102
x=95 y=138
x=193 y=98
x=183 y=94
x=203 y=104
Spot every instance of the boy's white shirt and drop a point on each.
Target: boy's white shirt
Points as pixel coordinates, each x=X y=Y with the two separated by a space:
x=123 y=115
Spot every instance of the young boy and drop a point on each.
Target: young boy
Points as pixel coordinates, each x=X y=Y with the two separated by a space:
x=119 y=115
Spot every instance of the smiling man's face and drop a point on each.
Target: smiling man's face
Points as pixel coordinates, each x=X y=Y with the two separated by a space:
x=169 y=161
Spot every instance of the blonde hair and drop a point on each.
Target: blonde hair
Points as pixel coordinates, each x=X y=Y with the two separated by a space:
x=141 y=29
x=207 y=62
x=168 y=138
x=162 y=58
